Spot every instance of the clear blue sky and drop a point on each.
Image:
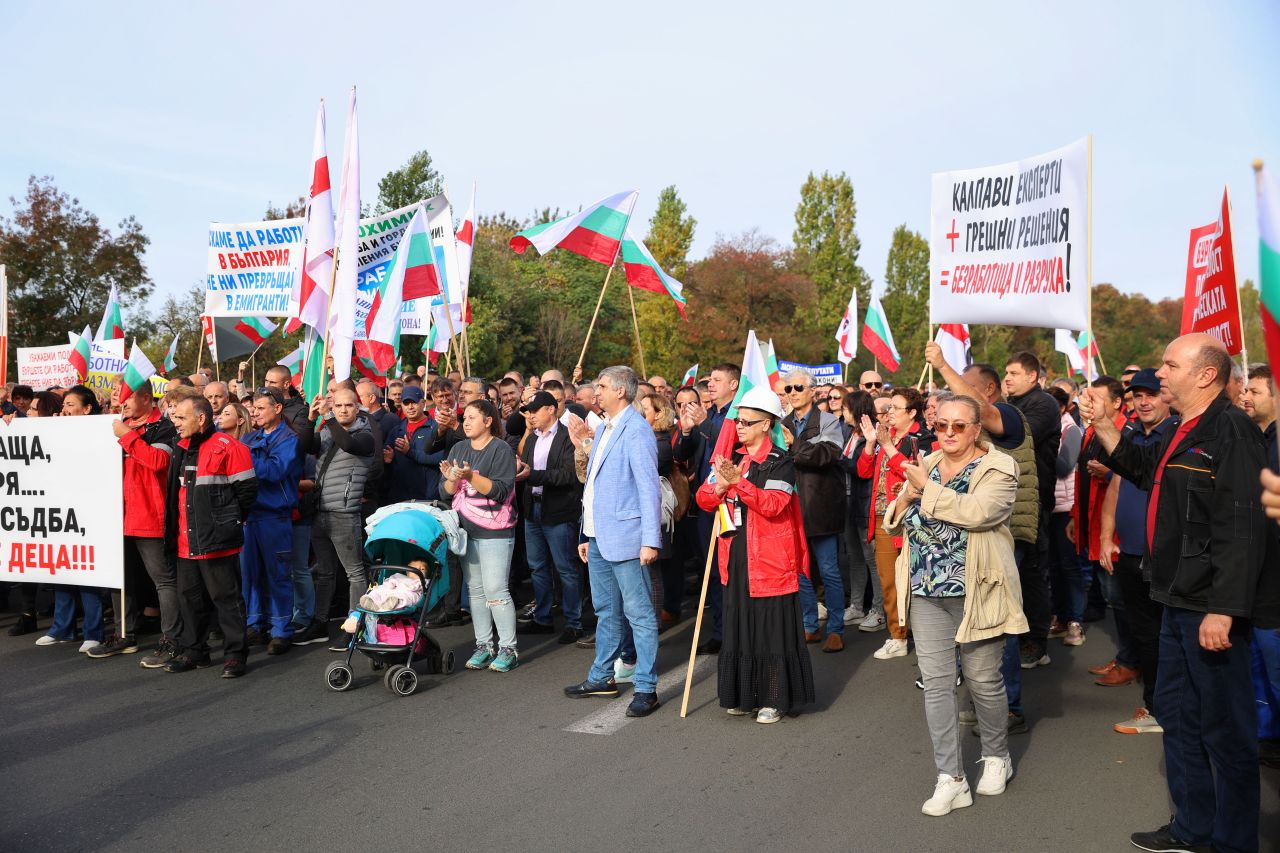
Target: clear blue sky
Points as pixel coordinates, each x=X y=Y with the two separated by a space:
x=183 y=113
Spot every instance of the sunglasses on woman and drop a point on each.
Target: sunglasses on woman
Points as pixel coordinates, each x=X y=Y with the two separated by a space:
x=950 y=427
x=746 y=423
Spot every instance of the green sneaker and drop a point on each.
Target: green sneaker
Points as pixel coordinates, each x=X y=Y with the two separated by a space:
x=483 y=655
x=506 y=660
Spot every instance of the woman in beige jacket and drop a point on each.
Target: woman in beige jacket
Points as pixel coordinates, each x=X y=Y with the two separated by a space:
x=957 y=576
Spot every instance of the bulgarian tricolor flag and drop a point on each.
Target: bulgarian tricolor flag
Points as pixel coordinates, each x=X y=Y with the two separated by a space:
x=771 y=365
x=309 y=301
x=82 y=354
x=643 y=271
x=171 y=357
x=112 y=326
x=1269 y=260
x=754 y=374
x=877 y=336
x=293 y=361
x=594 y=233
x=254 y=329
x=413 y=275
x=690 y=377
x=314 y=374
x=138 y=371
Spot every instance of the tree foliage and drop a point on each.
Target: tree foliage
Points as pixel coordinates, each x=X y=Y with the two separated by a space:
x=906 y=302
x=416 y=180
x=826 y=252
x=662 y=331
x=292 y=210
x=62 y=263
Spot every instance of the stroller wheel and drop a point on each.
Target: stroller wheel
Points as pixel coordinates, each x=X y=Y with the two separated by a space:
x=338 y=676
x=404 y=682
x=389 y=675
x=448 y=664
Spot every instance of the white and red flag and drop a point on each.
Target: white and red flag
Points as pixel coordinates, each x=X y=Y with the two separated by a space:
x=310 y=300
x=342 y=311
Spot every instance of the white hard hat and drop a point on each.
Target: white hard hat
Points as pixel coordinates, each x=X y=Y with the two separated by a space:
x=761 y=399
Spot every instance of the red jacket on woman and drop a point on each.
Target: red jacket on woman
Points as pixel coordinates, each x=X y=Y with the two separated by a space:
x=776 y=547
x=869 y=468
x=148 y=447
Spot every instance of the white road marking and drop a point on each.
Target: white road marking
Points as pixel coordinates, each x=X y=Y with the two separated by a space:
x=613 y=716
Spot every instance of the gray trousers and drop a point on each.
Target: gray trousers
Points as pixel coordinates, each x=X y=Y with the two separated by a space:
x=337 y=538
x=150 y=552
x=934 y=622
x=861 y=558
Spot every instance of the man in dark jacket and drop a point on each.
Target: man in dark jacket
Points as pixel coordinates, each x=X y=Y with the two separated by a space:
x=413 y=473
x=551 y=506
x=814 y=442
x=1206 y=549
x=266 y=564
x=212 y=487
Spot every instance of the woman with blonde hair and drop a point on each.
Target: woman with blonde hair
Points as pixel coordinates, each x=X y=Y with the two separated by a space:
x=234 y=420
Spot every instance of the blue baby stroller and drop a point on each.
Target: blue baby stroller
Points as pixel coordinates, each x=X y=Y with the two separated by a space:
x=394 y=542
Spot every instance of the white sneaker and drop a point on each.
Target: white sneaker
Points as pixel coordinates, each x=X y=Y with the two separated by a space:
x=853 y=614
x=874 y=620
x=768 y=715
x=947 y=795
x=995 y=774
x=1140 y=723
x=892 y=649
x=89 y=645
x=622 y=673
x=49 y=640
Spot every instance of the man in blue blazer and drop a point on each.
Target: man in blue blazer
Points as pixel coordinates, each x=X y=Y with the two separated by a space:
x=621 y=535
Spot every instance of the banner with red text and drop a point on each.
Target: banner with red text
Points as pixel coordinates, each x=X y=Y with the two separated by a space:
x=1211 y=303
x=61 y=516
x=1009 y=244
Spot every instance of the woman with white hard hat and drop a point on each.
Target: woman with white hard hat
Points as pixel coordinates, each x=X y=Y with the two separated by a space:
x=764 y=663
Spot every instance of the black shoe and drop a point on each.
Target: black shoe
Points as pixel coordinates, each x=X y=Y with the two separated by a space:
x=342 y=643
x=254 y=637
x=114 y=646
x=534 y=628
x=586 y=641
x=186 y=663
x=278 y=646
x=606 y=690
x=316 y=632
x=164 y=653
x=1017 y=725
x=569 y=635
x=464 y=618
x=526 y=613
x=1164 y=841
x=643 y=704
x=235 y=667
x=26 y=624
x=444 y=620
x=710 y=647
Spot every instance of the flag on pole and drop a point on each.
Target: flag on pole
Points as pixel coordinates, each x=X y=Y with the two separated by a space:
x=954 y=340
x=82 y=354
x=1066 y=343
x=1269 y=260
x=846 y=338
x=313 y=367
x=310 y=298
x=466 y=237
x=690 y=377
x=754 y=375
x=594 y=233
x=413 y=275
x=233 y=337
x=438 y=337
x=1088 y=347
x=111 y=327
x=293 y=361
x=171 y=357
x=771 y=365
x=643 y=271
x=138 y=371
x=210 y=336
x=341 y=329
x=254 y=329
x=878 y=337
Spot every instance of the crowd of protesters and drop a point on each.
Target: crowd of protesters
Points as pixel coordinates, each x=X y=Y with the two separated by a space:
x=975 y=523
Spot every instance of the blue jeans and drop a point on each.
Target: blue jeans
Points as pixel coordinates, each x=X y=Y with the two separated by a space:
x=548 y=547
x=1069 y=581
x=621 y=590
x=64 y=612
x=487 y=568
x=304 y=585
x=266 y=573
x=1126 y=654
x=1210 y=734
x=1266 y=681
x=824 y=552
x=1011 y=663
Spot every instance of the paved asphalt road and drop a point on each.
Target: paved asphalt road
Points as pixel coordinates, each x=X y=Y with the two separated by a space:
x=102 y=755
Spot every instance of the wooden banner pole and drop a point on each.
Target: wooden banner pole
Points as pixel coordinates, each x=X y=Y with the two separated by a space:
x=697 y=625
x=635 y=324
x=596 y=314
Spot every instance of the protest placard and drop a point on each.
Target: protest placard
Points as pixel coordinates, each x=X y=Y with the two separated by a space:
x=53 y=528
x=50 y=367
x=1211 y=303
x=1010 y=243
x=252 y=267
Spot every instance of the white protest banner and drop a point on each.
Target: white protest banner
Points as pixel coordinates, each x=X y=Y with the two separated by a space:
x=252 y=266
x=1010 y=243
x=62 y=517
x=379 y=238
x=47 y=367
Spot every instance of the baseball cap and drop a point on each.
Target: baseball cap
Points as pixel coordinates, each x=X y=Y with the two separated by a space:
x=1145 y=380
x=411 y=394
x=538 y=401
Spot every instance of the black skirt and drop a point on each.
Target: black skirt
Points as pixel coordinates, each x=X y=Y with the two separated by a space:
x=764 y=662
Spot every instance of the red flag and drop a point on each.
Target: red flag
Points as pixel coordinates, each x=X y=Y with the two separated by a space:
x=1211 y=303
